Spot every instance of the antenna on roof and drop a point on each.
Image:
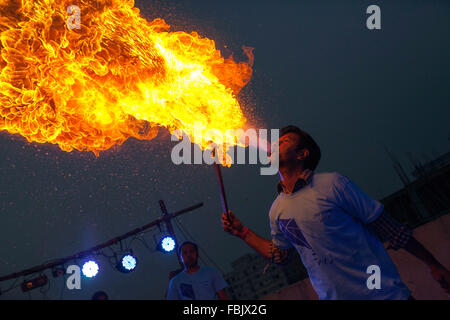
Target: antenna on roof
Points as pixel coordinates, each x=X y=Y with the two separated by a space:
x=398 y=167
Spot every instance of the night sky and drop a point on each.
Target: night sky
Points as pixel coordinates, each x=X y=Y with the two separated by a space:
x=316 y=66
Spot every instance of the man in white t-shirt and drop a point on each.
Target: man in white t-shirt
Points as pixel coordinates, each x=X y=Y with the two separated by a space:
x=332 y=223
x=196 y=282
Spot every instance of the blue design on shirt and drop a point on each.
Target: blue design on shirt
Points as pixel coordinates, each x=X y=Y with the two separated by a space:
x=293 y=233
x=187 y=291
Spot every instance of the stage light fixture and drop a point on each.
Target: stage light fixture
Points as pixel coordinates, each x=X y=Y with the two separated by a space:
x=90 y=269
x=34 y=283
x=58 y=272
x=127 y=263
x=167 y=244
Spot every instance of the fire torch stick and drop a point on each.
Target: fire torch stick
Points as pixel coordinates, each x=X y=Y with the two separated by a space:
x=223 y=198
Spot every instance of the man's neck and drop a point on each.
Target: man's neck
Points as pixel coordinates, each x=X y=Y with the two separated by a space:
x=192 y=269
x=289 y=177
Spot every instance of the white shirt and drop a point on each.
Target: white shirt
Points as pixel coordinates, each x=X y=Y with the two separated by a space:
x=326 y=222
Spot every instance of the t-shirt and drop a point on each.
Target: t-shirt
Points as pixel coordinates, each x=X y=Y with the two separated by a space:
x=326 y=221
x=201 y=285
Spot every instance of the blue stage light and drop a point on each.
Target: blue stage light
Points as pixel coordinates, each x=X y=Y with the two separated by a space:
x=127 y=264
x=90 y=269
x=167 y=243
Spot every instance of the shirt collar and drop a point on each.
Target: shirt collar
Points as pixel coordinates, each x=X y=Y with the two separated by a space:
x=300 y=183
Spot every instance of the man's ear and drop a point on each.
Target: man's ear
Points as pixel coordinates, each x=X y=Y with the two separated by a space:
x=302 y=154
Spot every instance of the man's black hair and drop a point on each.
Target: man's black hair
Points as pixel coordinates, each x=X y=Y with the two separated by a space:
x=306 y=142
x=188 y=242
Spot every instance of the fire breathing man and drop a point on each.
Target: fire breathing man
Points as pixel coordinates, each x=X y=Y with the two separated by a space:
x=331 y=223
x=196 y=282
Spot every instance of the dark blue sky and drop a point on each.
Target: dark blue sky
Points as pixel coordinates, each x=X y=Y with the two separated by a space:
x=316 y=66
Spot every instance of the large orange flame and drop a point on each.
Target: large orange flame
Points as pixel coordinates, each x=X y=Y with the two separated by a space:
x=119 y=76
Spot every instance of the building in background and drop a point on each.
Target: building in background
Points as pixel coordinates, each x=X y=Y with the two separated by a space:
x=248 y=281
x=425 y=198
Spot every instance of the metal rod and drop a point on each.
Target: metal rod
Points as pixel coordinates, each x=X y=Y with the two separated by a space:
x=223 y=197
x=170 y=229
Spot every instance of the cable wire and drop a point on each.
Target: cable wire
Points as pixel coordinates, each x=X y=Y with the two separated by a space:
x=203 y=251
x=13 y=286
x=202 y=260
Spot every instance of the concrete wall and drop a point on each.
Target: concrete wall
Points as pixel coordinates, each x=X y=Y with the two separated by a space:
x=435 y=236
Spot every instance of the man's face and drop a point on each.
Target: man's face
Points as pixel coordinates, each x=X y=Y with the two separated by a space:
x=189 y=255
x=288 y=149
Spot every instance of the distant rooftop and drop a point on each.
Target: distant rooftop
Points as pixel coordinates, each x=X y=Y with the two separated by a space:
x=435 y=164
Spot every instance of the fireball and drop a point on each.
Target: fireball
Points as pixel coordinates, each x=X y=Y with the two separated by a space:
x=113 y=76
